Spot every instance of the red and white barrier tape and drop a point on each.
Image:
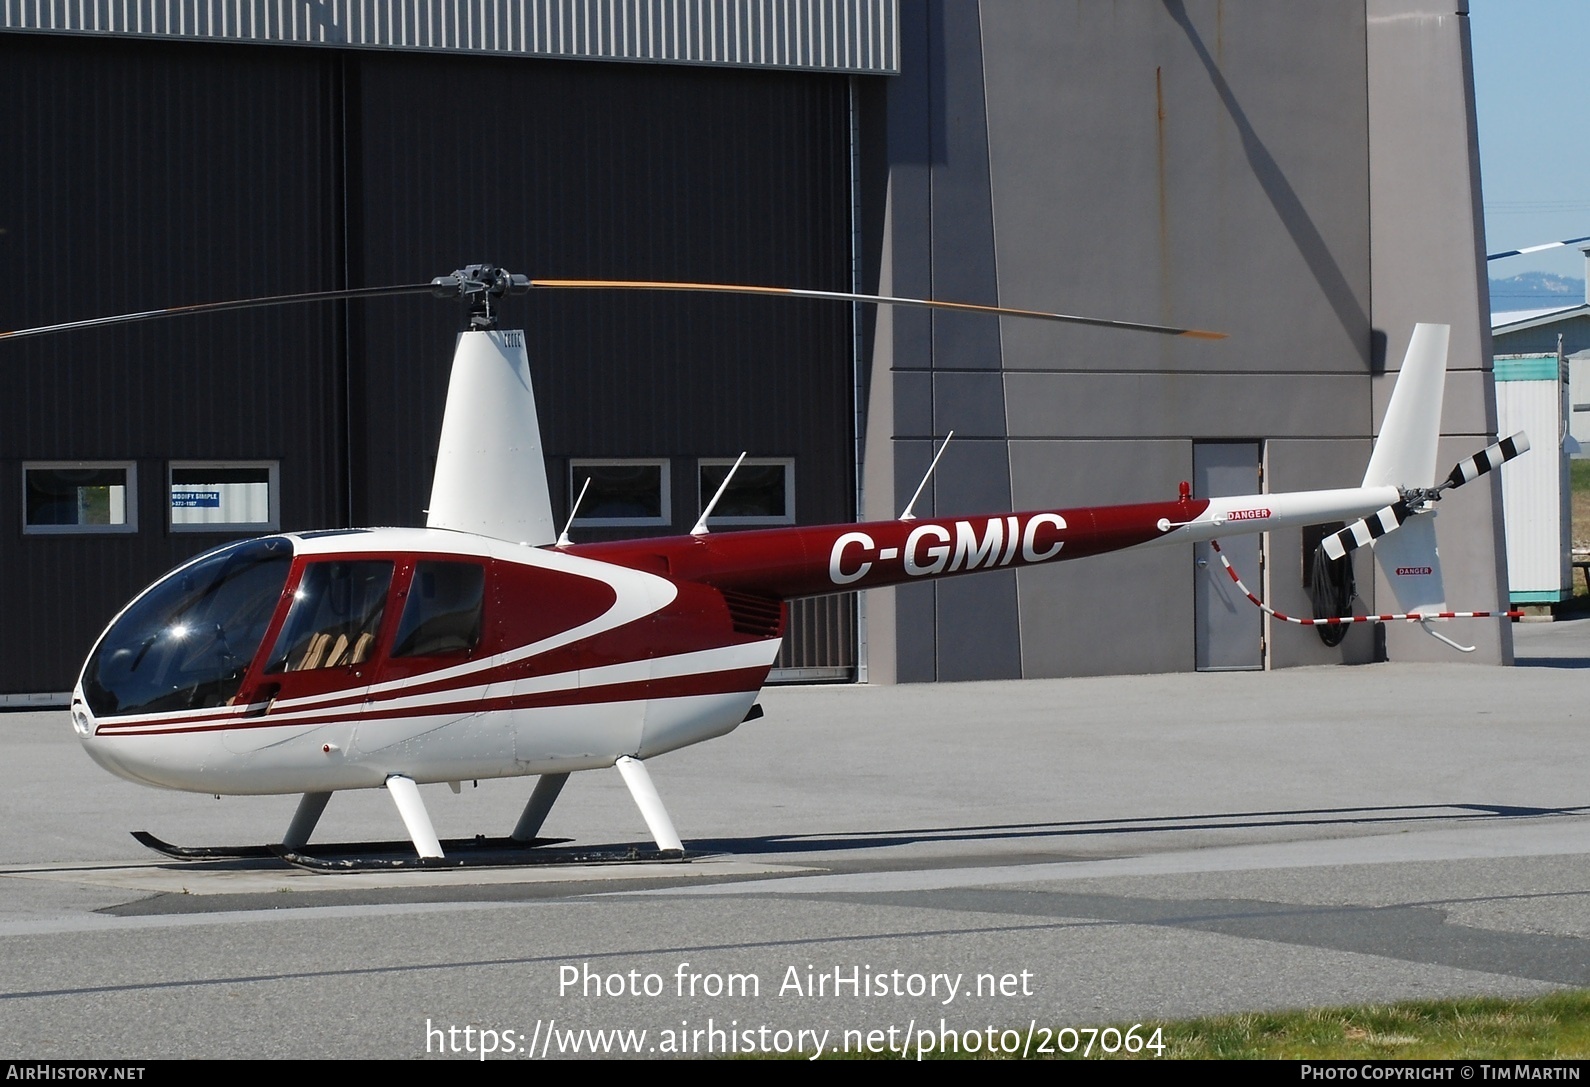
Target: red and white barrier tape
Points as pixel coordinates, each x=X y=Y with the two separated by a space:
x=1342 y=620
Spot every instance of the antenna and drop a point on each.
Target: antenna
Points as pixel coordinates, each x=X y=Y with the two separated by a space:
x=701 y=525
x=908 y=515
x=563 y=537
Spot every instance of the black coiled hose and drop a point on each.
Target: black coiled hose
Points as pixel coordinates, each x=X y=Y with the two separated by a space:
x=1332 y=590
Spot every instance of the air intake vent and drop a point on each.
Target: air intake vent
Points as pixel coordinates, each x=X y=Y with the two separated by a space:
x=755 y=615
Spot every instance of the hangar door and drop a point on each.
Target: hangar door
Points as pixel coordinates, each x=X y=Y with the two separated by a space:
x=1228 y=629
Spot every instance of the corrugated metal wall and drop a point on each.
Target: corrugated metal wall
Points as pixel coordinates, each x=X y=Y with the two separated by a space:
x=139 y=176
x=859 y=36
x=1531 y=396
x=154 y=174
x=605 y=171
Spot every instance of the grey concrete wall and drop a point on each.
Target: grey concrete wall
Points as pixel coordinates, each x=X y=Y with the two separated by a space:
x=946 y=370
x=1199 y=163
x=1428 y=265
x=1191 y=162
x=1128 y=612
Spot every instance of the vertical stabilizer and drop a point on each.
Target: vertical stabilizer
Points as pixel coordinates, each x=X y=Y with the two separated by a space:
x=1405 y=456
x=491 y=478
x=1411 y=563
x=1404 y=453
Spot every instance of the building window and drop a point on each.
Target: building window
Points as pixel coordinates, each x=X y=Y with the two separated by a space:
x=623 y=493
x=224 y=496
x=77 y=497
x=761 y=493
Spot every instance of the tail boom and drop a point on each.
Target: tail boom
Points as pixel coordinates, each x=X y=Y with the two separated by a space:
x=795 y=562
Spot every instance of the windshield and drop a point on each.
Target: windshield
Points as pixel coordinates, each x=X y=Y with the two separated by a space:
x=187 y=642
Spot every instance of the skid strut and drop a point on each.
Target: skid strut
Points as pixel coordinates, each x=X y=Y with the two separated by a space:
x=406 y=795
x=304 y=820
x=545 y=794
x=649 y=803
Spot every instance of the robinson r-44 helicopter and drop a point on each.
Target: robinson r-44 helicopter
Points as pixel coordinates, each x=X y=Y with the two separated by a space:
x=487 y=645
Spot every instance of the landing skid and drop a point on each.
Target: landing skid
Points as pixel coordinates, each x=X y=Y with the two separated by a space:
x=474 y=853
x=479 y=852
x=424 y=850
x=335 y=849
x=203 y=852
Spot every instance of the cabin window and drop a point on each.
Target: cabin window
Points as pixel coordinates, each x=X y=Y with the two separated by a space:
x=442 y=613
x=79 y=497
x=335 y=617
x=761 y=493
x=622 y=493
x=224 y=496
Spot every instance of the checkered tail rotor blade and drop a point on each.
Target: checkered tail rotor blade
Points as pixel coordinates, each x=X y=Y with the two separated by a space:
x=1491 y=457
x=1368 y=530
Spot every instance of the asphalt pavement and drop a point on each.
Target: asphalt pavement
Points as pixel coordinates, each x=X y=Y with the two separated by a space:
x=982 y=864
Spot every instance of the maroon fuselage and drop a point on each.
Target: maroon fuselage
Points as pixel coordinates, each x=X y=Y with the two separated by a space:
x=784 y=563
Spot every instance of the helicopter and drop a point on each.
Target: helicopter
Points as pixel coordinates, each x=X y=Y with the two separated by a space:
x=487 y=644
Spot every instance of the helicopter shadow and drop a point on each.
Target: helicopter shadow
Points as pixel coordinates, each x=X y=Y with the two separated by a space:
x=1406 y=814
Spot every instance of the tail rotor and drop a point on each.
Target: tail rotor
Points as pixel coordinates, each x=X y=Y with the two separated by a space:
x=1421 y=500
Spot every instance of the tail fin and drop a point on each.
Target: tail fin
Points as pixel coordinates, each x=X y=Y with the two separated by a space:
x=1405 y=456
x=1405 y=452
x=1412 y=564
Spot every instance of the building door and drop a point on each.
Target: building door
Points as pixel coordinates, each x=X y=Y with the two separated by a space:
x=1229 y=630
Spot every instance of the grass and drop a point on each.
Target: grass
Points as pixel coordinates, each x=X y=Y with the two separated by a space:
x=1550 y=1027
x=1579 y=483
x=1579 y=515
x=1554 y=1027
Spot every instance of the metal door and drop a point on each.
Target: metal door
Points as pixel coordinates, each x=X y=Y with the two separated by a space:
x=1229 y=630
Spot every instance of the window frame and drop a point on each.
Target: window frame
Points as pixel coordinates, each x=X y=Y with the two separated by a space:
x=130 y=502
x=704 y=495
x=273 y=501
x=665 y=503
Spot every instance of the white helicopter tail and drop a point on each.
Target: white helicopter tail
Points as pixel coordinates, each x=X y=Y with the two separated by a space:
x=1405 y=451
x=1403 y=534
x=1405 y=456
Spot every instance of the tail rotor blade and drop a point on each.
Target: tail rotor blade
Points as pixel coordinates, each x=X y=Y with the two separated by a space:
x=1371 y=528
x=1487 y=459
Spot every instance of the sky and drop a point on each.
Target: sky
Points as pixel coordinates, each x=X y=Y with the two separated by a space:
x=1534 y=127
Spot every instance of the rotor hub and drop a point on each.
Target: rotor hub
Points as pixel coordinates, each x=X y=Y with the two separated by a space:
x=480 y=285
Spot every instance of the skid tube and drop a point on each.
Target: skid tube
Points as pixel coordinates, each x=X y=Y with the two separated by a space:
x=477 y=852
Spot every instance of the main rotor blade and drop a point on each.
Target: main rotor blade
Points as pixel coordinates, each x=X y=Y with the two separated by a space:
x=220 y=307
x=842 y=296
x=1491 y=457
x=1536 y=248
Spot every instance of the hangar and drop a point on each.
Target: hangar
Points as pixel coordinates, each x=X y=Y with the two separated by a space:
x=1304 y=178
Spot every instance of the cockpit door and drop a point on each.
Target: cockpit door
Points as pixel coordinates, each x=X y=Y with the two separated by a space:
x=327 y=643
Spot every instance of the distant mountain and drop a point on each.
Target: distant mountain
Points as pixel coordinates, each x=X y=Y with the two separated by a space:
x=1535 y=290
